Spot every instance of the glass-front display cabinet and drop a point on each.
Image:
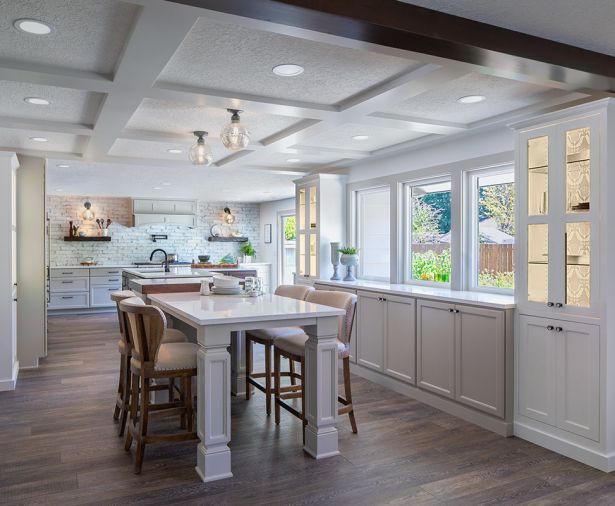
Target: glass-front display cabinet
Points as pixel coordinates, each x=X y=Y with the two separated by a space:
x=558 y=216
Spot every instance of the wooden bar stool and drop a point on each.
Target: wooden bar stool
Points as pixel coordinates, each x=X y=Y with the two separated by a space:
x=293 y=348
x=266 y=337
x=125 y=349
x=154 y=359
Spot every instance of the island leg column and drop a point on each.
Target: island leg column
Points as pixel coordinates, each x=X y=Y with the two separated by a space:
x=214 y=404
x=238 y=363
x=321 y=388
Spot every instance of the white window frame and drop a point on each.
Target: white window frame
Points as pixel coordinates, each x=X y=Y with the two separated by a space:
x=356 y=235
x=407 y=235
x=471 y=246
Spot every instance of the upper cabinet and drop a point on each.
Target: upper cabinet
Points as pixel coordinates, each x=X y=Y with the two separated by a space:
x=170 y=212
x=559 y=169
x=320 y=216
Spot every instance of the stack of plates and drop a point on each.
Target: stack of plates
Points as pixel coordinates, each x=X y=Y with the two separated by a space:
x=226 y=291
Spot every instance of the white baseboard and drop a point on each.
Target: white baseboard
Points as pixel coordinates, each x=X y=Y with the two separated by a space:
x=497 y=425
x=589 y=456
x=10 y=384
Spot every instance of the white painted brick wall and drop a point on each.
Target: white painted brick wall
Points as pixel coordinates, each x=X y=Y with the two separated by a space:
x=130 y=244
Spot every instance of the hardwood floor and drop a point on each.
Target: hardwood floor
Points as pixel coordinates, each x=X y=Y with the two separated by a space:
x=58 y=445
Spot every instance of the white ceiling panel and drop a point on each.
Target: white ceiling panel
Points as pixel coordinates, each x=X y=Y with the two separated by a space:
x=66 y=105
x=174 y=117
x=207 y=183
x=151 y=149
x=503 y=95
x=86 y=34
x=586 y=23
x=240 y=60
x=57 y=142
x=306 y=160
x=379 y=137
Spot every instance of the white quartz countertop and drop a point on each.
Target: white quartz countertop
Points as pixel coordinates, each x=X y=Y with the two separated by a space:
x=97 y=266
x=224 y=309
x=177 y=272
x=137 y=282
x=494 y=300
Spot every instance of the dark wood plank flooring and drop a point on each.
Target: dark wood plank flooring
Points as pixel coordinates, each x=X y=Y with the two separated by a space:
x=58 y=445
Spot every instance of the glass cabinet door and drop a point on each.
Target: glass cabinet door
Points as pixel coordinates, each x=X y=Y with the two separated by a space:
x=578 y=170
x=538 y=176
x=538 y=262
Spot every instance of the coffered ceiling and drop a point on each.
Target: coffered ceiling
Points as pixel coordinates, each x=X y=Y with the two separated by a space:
x=128 y=80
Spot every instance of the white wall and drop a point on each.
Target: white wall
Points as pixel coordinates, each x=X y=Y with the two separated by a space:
x=270 y=252
x=462 y=148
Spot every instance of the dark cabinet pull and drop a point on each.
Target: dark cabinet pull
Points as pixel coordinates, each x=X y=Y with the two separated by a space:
x=558 y=329
x=550 y=304
x=113 y=272
x=112 y=279
x=451 y=310
x=550 y=327
x=67 y=282
x=67 y=297
x=559 y=304
x=15 y=300
x=67 y=272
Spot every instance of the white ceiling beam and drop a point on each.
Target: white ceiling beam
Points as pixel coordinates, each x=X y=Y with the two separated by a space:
x=313 y=150
x=401 y=122
x=45 y=126
x=157 y=34
x=169 y=137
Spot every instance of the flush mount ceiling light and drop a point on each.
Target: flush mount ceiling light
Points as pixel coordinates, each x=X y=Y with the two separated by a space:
x=36 y=101
x=33 y=26
x=471 y=99
x=288 y=70
x=156 y=188
x=229 y=217
x=200 y=152
x=293 y=160
x=235 y=136
x=175 y=151
x=360 y=137
x=39 y=139
x=63 y=166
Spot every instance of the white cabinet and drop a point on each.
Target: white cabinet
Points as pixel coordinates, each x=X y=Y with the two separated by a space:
x=69 y=284
x=100 y=295
x=436 y=347
x=559 y=374
x=83 y=288
x=386 y=339
x=157 y=212
x=319 y=207
x=140 y=220
x=461 y=354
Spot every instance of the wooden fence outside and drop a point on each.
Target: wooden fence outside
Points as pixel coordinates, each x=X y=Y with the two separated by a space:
x=493 y=257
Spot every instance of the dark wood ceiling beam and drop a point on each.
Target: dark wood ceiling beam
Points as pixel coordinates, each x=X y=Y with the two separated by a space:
x=412 y=28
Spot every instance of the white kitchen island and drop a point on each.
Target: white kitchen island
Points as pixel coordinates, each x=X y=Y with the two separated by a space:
x=215 y=318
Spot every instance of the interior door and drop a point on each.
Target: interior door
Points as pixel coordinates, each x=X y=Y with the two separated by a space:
x=436 y=347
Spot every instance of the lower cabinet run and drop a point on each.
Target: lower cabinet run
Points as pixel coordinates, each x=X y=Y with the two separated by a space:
x=559 y=374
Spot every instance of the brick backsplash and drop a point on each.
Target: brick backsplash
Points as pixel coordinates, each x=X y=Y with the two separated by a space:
x=129 y=244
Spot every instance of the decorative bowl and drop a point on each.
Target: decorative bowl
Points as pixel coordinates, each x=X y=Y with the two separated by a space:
x=204 y=258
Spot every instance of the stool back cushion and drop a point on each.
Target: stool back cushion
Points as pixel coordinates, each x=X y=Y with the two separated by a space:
x=145 y=325
x=298 y=292
x=340 y=300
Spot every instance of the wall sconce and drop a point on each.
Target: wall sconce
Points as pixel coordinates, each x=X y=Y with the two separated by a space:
x=229 y=218
x=88 y=214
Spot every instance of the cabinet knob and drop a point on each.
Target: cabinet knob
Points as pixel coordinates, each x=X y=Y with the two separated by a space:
x=559 y=304
x=550 y=327
x=15 y=300
x=558 y=329
x=550 y=304
x=451 y=310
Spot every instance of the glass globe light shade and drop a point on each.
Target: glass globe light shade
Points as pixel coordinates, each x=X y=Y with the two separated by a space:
x=235 y=136
x=200 y=152
x=229 y=217
x=88 y=214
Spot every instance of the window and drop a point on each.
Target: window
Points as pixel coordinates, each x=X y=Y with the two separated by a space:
x=493 y=229
x=428 y=257
x=373 y=233
x=288 y=241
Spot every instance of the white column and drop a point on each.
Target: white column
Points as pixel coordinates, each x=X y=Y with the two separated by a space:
x=321 y=388
x=238 y=363
x=214 y=404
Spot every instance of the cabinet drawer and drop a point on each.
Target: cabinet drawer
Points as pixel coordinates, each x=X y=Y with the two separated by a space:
x=68 y=301
x=95 y=273
x=67 y=272
x=112 y=280
x=69 y=285
x=100 y=296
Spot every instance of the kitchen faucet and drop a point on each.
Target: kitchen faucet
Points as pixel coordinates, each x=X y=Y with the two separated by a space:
x=166 y=258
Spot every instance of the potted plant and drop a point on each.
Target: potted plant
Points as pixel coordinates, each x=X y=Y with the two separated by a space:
x=248 y=252
x=349 y=258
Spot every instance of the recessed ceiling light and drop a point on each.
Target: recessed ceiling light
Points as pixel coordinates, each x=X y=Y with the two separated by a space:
x=175 y=151
x=471 y=99
x=59 y=190
x=39 y=139
x=32 y=26
x=63 y=165
x=288 y=70
x=36 y=101
x=156 y=188
x=360 y=137
x=166 y=184
x=293 y=160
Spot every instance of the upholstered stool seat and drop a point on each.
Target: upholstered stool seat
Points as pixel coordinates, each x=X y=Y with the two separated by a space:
x=295 y=345
x=173 y=356
x=271 y=334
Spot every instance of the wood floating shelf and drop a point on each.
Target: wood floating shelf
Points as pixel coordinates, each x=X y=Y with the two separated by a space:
x=88 y=239
x=213 y=238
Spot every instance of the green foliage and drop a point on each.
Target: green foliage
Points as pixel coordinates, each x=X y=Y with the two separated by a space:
x=348 y=250
x=248 y=250
x=432 y=266
x=425 y=221
x=496 y=279
x=290 y=229
x=440 y=201
x=498 y=202
x=227 y=259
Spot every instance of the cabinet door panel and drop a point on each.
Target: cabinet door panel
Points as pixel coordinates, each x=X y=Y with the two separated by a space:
x=436 y=347
x=181 y=207
x=180 y=219
x=537 y=361
x=370 y=332
x=162 y=206
x=578 y=379
x=480 y=365
x=400 y=339
x=100 y=296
